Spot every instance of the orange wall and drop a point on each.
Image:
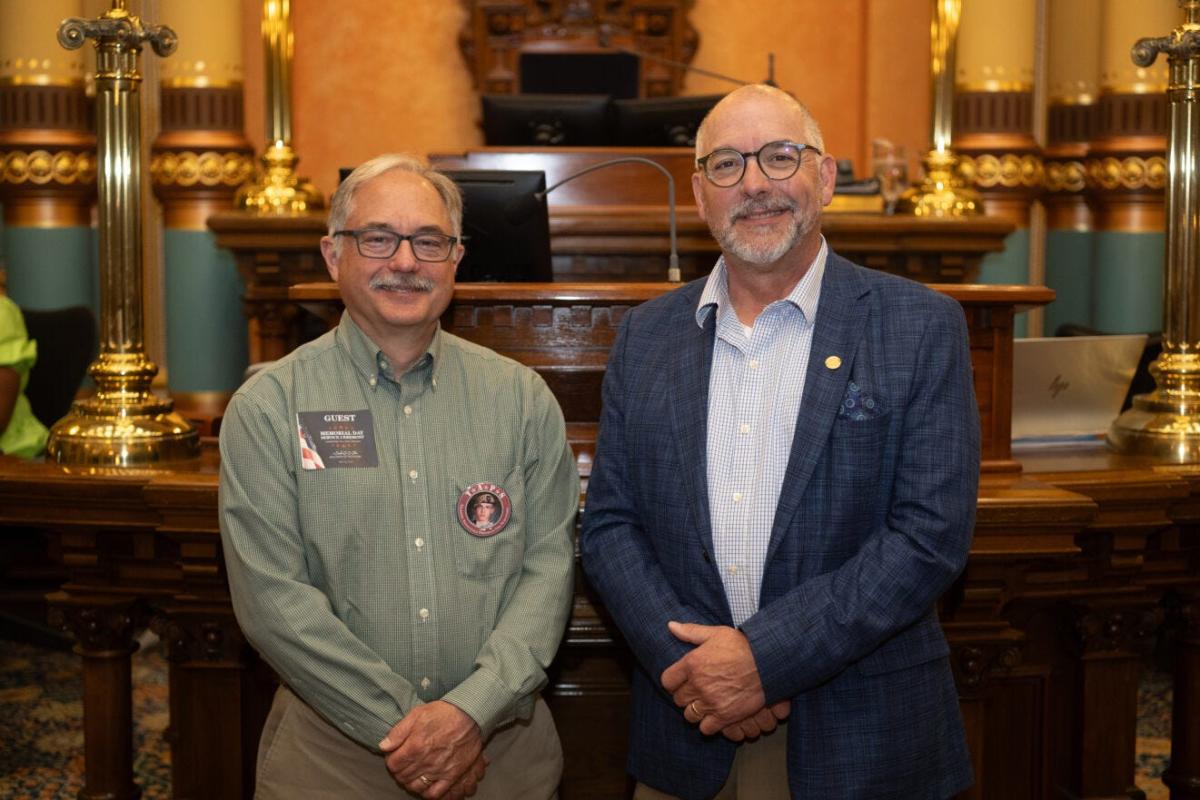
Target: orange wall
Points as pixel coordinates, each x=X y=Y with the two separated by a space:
x=369 y=77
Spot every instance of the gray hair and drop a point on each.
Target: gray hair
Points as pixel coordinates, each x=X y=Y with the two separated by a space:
x=342 y=202
x=812 y=131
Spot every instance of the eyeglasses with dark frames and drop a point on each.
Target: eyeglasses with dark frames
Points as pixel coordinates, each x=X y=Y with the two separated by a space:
x=382 y=243
x=724 y=167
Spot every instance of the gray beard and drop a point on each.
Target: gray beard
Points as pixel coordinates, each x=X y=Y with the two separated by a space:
x=758 y=251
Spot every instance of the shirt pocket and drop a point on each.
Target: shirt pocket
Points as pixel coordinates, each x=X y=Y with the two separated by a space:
x=496 y=554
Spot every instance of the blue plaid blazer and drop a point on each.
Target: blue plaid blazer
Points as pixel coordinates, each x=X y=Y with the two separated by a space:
x=873 y=525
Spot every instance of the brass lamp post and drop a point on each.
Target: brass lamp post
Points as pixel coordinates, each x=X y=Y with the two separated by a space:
x=123 y=423
x=277 y=189
x=1166 y=422
x=942 y=193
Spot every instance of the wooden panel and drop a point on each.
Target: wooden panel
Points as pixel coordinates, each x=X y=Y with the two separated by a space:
x=564 y=331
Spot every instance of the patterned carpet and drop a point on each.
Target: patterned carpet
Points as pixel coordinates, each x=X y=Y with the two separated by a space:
x=41 y=746
x=41 y=716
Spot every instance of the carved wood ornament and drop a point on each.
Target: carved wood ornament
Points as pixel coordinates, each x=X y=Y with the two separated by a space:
x=499 y=31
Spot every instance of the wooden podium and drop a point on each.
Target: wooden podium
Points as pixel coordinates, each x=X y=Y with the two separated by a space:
x=608 y=226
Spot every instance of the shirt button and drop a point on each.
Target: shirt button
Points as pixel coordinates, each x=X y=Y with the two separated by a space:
x=733 y=569
x=754 y=363
x=408 y=411
x=434 y=382
x=425 y=683
x=744 y=428
x=419 y=542
x=423 y=613
x=412 y=474
x=371 y=381
x=737 y=497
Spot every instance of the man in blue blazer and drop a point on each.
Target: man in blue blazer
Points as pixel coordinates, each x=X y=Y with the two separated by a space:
x=785 y=483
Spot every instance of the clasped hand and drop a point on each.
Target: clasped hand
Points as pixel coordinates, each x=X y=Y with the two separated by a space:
x=436 y=751
x=717 y=684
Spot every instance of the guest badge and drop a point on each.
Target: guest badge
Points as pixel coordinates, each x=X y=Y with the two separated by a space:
x=332 y=439
x=484 y=509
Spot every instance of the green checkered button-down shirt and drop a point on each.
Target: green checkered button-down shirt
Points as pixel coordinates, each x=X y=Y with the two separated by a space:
x=359 y=584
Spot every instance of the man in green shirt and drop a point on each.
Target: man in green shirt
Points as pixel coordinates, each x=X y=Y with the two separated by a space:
x=409 y=639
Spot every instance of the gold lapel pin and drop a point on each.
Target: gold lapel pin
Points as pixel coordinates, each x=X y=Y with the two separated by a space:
x=833 y=362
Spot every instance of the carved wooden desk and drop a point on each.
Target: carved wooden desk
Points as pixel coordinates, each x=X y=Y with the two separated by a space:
x=1070 y=577
x=1078 y=562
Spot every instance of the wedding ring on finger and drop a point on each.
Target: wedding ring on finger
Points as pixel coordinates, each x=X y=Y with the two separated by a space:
x=425 y=779
x=696 y=710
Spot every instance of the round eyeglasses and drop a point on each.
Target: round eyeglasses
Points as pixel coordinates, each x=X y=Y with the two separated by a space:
x=779 y=161
x=382 y=243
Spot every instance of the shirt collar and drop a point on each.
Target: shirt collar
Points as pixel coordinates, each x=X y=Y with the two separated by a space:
x=804 y=295
x=371 y=362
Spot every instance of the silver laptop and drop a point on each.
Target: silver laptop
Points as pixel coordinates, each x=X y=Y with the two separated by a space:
x=1071 y=387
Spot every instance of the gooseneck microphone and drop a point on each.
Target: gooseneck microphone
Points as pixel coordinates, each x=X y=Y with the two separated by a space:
x=673 y=264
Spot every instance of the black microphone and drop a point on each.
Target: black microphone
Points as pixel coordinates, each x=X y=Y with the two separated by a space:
x=673 y=264
x=604 y=38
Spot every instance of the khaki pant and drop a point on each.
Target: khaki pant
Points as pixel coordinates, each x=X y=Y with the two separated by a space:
x=303 y=756
x=759 y=772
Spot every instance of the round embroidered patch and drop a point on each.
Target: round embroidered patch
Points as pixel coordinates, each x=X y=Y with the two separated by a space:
x=484 y=509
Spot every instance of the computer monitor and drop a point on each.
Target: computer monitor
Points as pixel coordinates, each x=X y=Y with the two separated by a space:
x=615 y=74
x=507 y=228
x=544 y=120
x=661 y=121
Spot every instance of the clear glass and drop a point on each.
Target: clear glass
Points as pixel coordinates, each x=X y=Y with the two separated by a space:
x=778 y=161
x=889 y=165
x=382 y=243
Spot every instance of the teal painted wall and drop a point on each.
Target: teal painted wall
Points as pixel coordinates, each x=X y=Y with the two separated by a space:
x=1011 y=265
x=52 y=267
x=1069 y=273
x=207 y=347
x=1127 y=295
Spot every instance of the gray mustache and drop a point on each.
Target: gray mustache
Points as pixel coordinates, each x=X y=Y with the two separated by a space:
x=401 y=282
x=754 y=206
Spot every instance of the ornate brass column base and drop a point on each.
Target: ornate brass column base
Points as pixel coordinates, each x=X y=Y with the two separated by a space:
x=942 y=193
x=278 y=190
x=123 y=424
x=1165 y=423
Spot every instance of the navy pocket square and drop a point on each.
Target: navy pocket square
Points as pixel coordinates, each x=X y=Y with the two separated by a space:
x=858 y=406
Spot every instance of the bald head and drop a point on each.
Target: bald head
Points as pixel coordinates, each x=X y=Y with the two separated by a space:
x=732 y=110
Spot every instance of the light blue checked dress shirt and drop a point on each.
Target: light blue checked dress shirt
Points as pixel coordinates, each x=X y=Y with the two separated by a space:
x=754 y=394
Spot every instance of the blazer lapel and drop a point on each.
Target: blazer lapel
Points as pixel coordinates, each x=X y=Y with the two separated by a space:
x=689 y=414
x=841 y=315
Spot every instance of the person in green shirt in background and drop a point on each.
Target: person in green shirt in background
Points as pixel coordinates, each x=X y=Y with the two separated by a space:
x=21 y=434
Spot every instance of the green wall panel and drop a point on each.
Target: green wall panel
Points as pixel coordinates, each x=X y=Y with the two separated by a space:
x=1127 y=295
x=1069 y=273
x=206 y=329
x=1011 y=265
x=51 y=267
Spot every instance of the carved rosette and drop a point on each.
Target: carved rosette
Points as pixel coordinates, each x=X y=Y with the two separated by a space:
x=1183 y=618
x=1113 y=630
x=202 y=156
x=47 y=156
x=998 y=155
x=191 y=637
x=98 y=624
x=975 y=663
x=1126 y=164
